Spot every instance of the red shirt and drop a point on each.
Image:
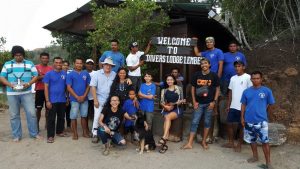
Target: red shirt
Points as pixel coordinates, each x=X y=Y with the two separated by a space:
x=42 y=70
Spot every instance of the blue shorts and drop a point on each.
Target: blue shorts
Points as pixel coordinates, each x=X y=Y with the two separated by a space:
x=77 y=108
x=177 y=110
x=256 y=131
x=234 y=116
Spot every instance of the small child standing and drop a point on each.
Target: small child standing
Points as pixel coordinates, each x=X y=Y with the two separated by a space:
x=131 y=106
x=147 y=95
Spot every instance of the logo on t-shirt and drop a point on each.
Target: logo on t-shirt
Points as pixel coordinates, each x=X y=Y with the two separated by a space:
x=113 y=123
x=262 y=95
x=212 y=55
x=62 y=76
x=237 y=58
x=84 y=78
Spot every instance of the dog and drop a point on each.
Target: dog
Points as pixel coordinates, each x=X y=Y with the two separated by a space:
x=146 y=139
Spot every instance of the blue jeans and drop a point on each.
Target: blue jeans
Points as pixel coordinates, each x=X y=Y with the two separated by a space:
x=15 y=102
x=202 y=109
x=81 y=108
x=116 y=138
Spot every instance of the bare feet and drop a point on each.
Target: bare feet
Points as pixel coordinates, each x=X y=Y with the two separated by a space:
x=269 y=166
x=75 y=137
x=204 y=145
x=252 y=160
x=228 y=145
x=86 y=135
x=238 y=148
x=38 y=137
x=187 y=146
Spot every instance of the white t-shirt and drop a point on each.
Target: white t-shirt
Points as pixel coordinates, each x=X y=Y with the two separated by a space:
x=237 y=85
x=133 y=60
x=90 y=96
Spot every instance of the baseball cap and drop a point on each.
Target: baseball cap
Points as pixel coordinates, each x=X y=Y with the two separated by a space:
x=89 y=60
x=238 y=62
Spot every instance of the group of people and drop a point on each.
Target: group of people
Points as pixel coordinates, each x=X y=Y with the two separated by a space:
x=115 y=97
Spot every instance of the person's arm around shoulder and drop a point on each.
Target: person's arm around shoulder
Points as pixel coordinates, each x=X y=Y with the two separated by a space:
x=221 y=62
x=102 y=58
x=196 y=49
x=93 y=85
x=46 y=91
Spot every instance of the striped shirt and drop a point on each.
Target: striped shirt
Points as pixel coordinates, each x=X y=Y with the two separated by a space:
x=12 y=71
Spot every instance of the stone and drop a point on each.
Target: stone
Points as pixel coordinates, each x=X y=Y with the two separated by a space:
x=277 y=134
x=291 y=71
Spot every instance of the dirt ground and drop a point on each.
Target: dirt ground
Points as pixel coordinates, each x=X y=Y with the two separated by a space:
x=66 y=153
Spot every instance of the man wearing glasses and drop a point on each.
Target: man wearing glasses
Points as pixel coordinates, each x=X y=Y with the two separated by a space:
x=18 y=75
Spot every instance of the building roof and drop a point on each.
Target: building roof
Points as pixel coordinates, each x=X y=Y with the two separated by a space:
x=73 y=25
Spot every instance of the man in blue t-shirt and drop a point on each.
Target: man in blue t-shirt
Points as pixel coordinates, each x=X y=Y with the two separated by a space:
x=228 y=67
x=115 y=55
x=78 y=86
x=256 y=103
x=55 y=96
x=213 y=54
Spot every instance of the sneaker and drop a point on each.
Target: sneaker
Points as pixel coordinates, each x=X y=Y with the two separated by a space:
x=38 y=137
x=95 y=139
x=16 y=140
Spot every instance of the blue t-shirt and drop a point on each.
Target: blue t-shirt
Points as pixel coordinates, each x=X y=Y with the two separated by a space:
x=56 y=85
x=214 y=56
x=129 y=107
x=78 y=81
x=228 y=67
x=147 y=105
x=117 y=57
x=256 y=101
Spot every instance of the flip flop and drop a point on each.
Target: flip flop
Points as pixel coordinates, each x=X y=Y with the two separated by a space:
x=50 y=140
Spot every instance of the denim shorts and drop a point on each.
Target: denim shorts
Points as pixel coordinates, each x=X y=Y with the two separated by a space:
x=201 y=110
x=116 y=137
x=77 y=108
x=256 y=131
x=234 y=116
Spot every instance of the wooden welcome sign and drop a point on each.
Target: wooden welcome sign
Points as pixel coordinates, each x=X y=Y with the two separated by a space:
x=174 y=50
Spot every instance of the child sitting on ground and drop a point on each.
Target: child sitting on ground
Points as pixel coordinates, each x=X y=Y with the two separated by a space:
x=131 y=106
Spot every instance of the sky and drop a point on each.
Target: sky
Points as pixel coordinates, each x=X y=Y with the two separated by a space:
x=22 y=21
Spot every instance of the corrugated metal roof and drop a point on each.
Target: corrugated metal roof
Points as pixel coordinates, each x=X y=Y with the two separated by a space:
x=63 y=24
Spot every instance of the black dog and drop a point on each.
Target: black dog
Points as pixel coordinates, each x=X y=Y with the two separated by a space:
x=146 y=138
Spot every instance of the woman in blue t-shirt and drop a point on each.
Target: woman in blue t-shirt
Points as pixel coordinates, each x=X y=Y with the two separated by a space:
x=171 y=98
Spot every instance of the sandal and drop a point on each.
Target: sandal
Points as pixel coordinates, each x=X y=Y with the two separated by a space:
x=50 y=140
x=63 y=135
x=163 y=149
x=162 y=142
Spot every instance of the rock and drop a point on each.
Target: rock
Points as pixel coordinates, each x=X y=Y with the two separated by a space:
x=277 y=134
x=291 y=71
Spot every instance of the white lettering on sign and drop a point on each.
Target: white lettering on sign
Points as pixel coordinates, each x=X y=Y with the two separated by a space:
x=174 y=41
x=174 y=59
x=172 y=50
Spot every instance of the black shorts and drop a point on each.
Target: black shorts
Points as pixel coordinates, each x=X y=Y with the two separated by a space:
x=234 y=116
x=39 y=99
